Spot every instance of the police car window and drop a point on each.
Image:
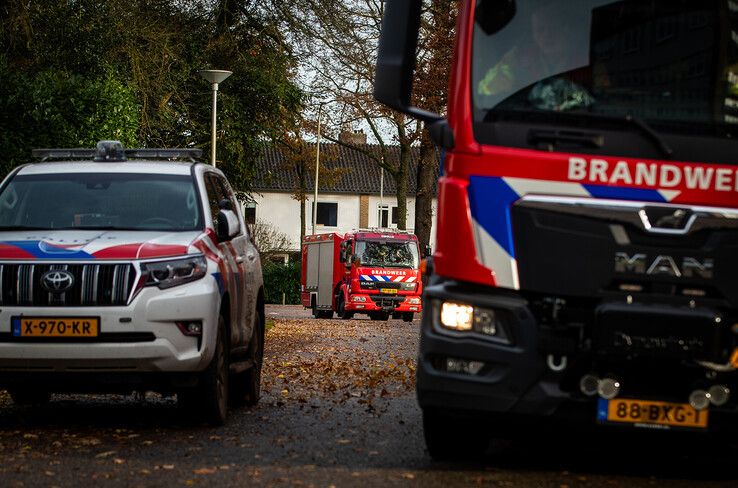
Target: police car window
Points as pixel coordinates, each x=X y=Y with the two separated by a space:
x=100 y=201
x=215 y=194
x=225 y=191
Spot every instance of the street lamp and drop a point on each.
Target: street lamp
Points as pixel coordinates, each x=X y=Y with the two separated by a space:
x=317 y=170
x=214 y=76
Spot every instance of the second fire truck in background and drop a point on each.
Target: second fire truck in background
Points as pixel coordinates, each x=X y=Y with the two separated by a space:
x=368 y=271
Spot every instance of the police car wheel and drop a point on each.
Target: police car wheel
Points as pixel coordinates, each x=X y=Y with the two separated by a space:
x=209 y=400
x=245 y=387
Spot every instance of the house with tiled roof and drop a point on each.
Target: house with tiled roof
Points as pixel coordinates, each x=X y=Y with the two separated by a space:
x=353 y=195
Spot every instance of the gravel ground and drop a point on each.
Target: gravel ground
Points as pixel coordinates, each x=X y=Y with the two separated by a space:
x=338 y=409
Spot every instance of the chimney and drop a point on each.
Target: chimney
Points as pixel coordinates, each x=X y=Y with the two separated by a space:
x=356 y=137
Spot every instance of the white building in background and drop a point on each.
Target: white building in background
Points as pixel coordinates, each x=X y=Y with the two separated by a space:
x=351 y=201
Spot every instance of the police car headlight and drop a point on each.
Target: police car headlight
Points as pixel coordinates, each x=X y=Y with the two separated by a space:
x=174 y=272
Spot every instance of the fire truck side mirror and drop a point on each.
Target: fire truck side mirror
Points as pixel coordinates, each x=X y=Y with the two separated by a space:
x=492 y=15
x=427 y=251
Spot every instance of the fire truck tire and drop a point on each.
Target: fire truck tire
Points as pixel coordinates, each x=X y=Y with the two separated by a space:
x=341 y=308
x=450 y=438
x=379 y=316
x=209 y=399
x=246 y=385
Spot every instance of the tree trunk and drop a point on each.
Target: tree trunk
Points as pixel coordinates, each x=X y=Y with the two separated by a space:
x=427 y=168
x=401 y=185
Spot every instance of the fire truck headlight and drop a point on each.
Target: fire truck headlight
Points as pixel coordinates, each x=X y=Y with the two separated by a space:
x=457 y=316
x=356 y=298
x=413 y=301
x=488 y=322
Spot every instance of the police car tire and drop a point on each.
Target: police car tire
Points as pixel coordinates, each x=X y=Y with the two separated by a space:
x=209 y=400
x=28 y=397
x=450 y=438
x=245 y=387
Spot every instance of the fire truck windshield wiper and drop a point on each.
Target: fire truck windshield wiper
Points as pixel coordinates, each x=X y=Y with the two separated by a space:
x=639 y=124
x=6 y=228
x=564 y=118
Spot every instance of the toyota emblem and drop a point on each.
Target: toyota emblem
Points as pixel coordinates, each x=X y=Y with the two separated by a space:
x=57 y=280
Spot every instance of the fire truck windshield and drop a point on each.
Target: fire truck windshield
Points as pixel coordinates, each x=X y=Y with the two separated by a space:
x=671 y=64
x=389 y=253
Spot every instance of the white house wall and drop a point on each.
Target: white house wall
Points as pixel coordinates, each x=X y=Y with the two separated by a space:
x=283 y=212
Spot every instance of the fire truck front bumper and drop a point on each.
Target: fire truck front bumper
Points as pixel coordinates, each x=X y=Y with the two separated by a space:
x=384 y=303
x=493 y=366
x=498 y=364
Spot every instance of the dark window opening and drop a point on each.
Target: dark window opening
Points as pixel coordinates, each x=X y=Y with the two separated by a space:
x=327 y=214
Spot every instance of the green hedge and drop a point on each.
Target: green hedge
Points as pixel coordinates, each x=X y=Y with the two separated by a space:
x=281 y=278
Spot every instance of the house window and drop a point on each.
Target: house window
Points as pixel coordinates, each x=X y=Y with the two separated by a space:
x=383 y=216
x=387 y=216
x=249 y=212
x=327 y=214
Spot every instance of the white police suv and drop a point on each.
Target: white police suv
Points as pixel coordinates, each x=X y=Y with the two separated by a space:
x=128 y=270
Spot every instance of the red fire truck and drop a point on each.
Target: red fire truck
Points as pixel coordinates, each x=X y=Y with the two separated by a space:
x=373 y=271
x=587 y=234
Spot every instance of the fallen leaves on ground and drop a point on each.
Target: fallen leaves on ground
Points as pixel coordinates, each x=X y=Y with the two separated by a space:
x=338 y=360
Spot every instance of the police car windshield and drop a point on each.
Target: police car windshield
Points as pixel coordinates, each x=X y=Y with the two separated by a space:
x=120 y=201
x=667 y=63
x=388 y=253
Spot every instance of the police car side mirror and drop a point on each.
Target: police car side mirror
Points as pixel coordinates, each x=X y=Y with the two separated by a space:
x=228 y=225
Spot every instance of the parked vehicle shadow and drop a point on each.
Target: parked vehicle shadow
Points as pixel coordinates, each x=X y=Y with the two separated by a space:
x=106 y=411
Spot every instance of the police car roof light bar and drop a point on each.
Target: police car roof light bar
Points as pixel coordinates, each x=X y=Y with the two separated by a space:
x=113 y=151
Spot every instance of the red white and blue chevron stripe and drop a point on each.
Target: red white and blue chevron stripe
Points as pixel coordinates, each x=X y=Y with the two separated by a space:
x=396 y=279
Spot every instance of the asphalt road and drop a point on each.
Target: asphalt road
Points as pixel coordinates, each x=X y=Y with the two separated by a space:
x=338 y=409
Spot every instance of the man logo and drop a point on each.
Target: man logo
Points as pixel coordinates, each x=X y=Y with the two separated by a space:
x=687 y=267
x=57 y=281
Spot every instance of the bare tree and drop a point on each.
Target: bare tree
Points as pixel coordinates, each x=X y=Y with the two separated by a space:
x=269 y=239
x=430 y=92
x=340 y=48
x=340 y=41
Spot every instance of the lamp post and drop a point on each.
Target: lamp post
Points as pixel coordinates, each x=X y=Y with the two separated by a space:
x=214 y=76
x=317 y=170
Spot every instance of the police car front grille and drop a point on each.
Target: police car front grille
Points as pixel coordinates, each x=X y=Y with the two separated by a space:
x=93 y=285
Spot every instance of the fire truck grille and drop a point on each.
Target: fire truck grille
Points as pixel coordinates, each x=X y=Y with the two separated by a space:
x=388 y=302
x=21 y=284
